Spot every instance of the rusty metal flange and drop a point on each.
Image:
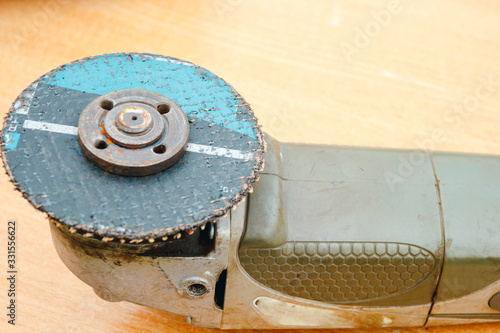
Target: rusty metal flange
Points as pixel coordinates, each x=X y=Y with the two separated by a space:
x=133 y=132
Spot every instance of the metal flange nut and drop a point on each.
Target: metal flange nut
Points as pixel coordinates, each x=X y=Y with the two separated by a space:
x=133 y=132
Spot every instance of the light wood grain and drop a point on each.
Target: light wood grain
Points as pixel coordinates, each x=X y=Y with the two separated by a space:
x=286 y=59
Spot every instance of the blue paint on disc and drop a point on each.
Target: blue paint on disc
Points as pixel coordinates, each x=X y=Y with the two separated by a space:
x=11 y=139
x=169 y=77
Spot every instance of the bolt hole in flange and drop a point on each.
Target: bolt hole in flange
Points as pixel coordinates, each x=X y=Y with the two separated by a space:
x=163 y=108
x=107 y=104
x=101 y=144
x=160 y=149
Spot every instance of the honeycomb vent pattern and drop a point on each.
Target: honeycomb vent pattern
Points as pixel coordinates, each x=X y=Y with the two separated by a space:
x=338 y=272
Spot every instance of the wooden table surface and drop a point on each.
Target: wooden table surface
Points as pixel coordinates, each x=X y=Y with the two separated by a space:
x=370 y=73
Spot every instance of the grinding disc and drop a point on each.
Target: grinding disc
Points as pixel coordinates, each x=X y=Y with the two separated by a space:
x=42 y=156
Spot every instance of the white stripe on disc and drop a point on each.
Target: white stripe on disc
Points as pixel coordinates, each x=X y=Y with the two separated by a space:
x=210 y=150
x=192 y=147
x=49 y=127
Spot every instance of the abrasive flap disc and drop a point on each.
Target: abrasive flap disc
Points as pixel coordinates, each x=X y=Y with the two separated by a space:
x=130 y=146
